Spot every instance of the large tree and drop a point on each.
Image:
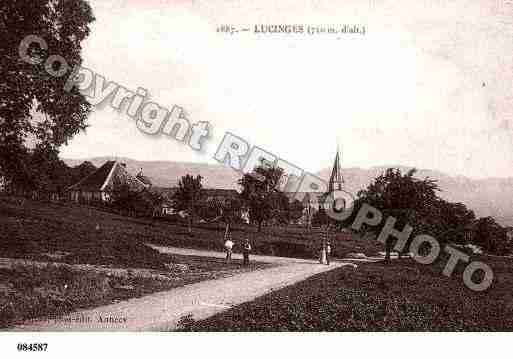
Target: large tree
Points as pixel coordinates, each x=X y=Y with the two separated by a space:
x=35 y=108
x=43 y=171
x=188 y=197
x=261 y=194
x=415 y=202
x=408 y=199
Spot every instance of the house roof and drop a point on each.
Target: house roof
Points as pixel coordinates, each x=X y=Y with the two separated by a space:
x=104 y=179
x=144 y=179
x=96 y=180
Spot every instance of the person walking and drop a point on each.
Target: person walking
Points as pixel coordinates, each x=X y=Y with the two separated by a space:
x=322 y=243
x=328 y=252
x=327 y=238
x=246 y=248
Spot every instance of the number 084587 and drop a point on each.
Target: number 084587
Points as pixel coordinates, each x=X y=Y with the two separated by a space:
x=32 y=347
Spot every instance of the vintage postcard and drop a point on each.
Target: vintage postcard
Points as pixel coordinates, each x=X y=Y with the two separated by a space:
x=240 y=166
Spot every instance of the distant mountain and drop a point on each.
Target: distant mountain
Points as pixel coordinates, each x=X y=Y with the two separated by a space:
x=487 y=197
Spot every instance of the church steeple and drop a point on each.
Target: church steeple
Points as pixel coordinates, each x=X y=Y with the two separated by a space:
x=336 y=180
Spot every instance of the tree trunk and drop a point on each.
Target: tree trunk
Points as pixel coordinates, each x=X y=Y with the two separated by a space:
x=259 y=226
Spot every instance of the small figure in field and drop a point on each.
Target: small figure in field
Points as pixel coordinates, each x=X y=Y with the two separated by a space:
x=228 y=247
x=246 y=248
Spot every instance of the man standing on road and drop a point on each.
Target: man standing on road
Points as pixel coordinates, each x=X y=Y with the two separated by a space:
x=246 y=248
x=228 y=247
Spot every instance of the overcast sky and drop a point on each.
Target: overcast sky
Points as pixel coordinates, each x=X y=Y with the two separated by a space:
x=428 y=85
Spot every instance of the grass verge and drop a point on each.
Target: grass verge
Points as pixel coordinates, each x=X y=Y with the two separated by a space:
x=54 y=289
x=401 y=296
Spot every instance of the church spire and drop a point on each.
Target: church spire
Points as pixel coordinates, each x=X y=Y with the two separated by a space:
x=336 y=180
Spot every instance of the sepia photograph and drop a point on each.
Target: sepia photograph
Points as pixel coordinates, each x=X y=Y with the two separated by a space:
x=190 y=167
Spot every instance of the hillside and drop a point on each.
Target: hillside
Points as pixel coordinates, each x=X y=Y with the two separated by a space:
x=487 y=197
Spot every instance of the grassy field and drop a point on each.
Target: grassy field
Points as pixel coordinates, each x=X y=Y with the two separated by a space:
x=401 y=296
x=53 y=289
x=38 y=230
x=84 y=264
x=44 y=231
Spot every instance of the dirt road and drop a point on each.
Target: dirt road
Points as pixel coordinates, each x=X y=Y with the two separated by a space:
x=162 y=311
